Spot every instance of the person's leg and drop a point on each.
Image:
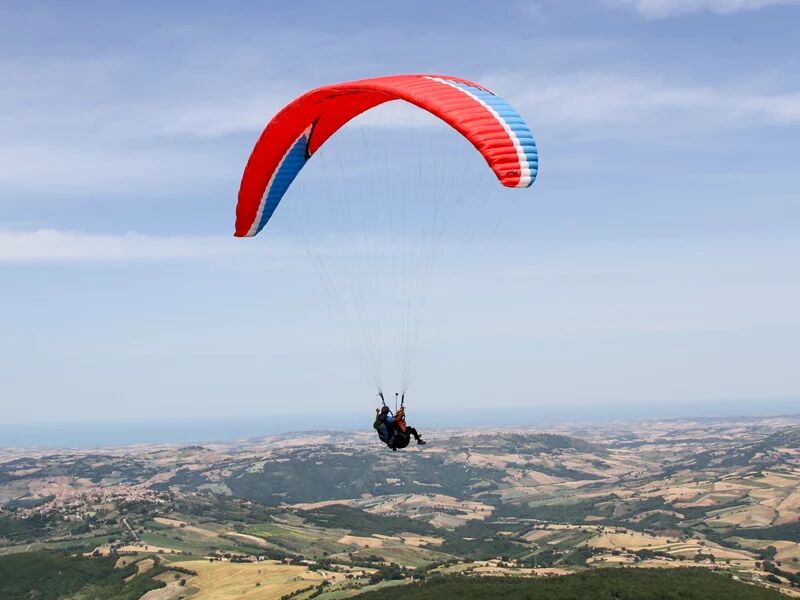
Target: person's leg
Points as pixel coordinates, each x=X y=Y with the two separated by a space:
x=416 y=435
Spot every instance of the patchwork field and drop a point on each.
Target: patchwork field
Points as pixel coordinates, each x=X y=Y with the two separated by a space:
x=220 y=581
x=338 y=515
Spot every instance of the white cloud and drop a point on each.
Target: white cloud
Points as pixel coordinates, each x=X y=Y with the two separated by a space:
x=655 y=9
x=113 y=147
x=75 y=127
x=23 y=245
x=610 y=104
x=108 y=127
x=535 y=11
x=643 y=285
x=50 y=245
x=583 y=98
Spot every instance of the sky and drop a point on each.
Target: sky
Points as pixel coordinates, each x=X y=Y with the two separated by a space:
x=654 y=264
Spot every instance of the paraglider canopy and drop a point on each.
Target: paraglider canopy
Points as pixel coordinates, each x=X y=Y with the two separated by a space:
x=493 y=127
x=404 y=250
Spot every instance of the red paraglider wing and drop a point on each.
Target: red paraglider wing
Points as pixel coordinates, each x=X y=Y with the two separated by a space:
x=303 y=126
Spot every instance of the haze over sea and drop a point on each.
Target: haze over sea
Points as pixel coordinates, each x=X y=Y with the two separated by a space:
x=89 y=434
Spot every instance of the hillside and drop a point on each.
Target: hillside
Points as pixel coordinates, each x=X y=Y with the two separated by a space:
x=608 y=584
x=51 y=575
x=336 y=513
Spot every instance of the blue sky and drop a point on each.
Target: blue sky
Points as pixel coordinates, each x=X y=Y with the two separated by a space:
x=656 y=260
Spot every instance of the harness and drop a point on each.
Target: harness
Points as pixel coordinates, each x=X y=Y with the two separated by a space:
x=399 y=415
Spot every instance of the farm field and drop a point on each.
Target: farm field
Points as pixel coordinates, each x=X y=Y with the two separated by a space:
x=316 y=512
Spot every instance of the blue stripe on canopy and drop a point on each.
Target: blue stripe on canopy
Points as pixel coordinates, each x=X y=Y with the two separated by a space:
x=294 y=160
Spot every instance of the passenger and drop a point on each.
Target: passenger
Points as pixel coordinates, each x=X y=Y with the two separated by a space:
x=393 y=430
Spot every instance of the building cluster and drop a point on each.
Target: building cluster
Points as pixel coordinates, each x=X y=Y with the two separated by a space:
x=82 y=503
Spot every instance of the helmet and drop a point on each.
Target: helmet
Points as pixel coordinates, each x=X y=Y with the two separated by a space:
x=385 y=410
